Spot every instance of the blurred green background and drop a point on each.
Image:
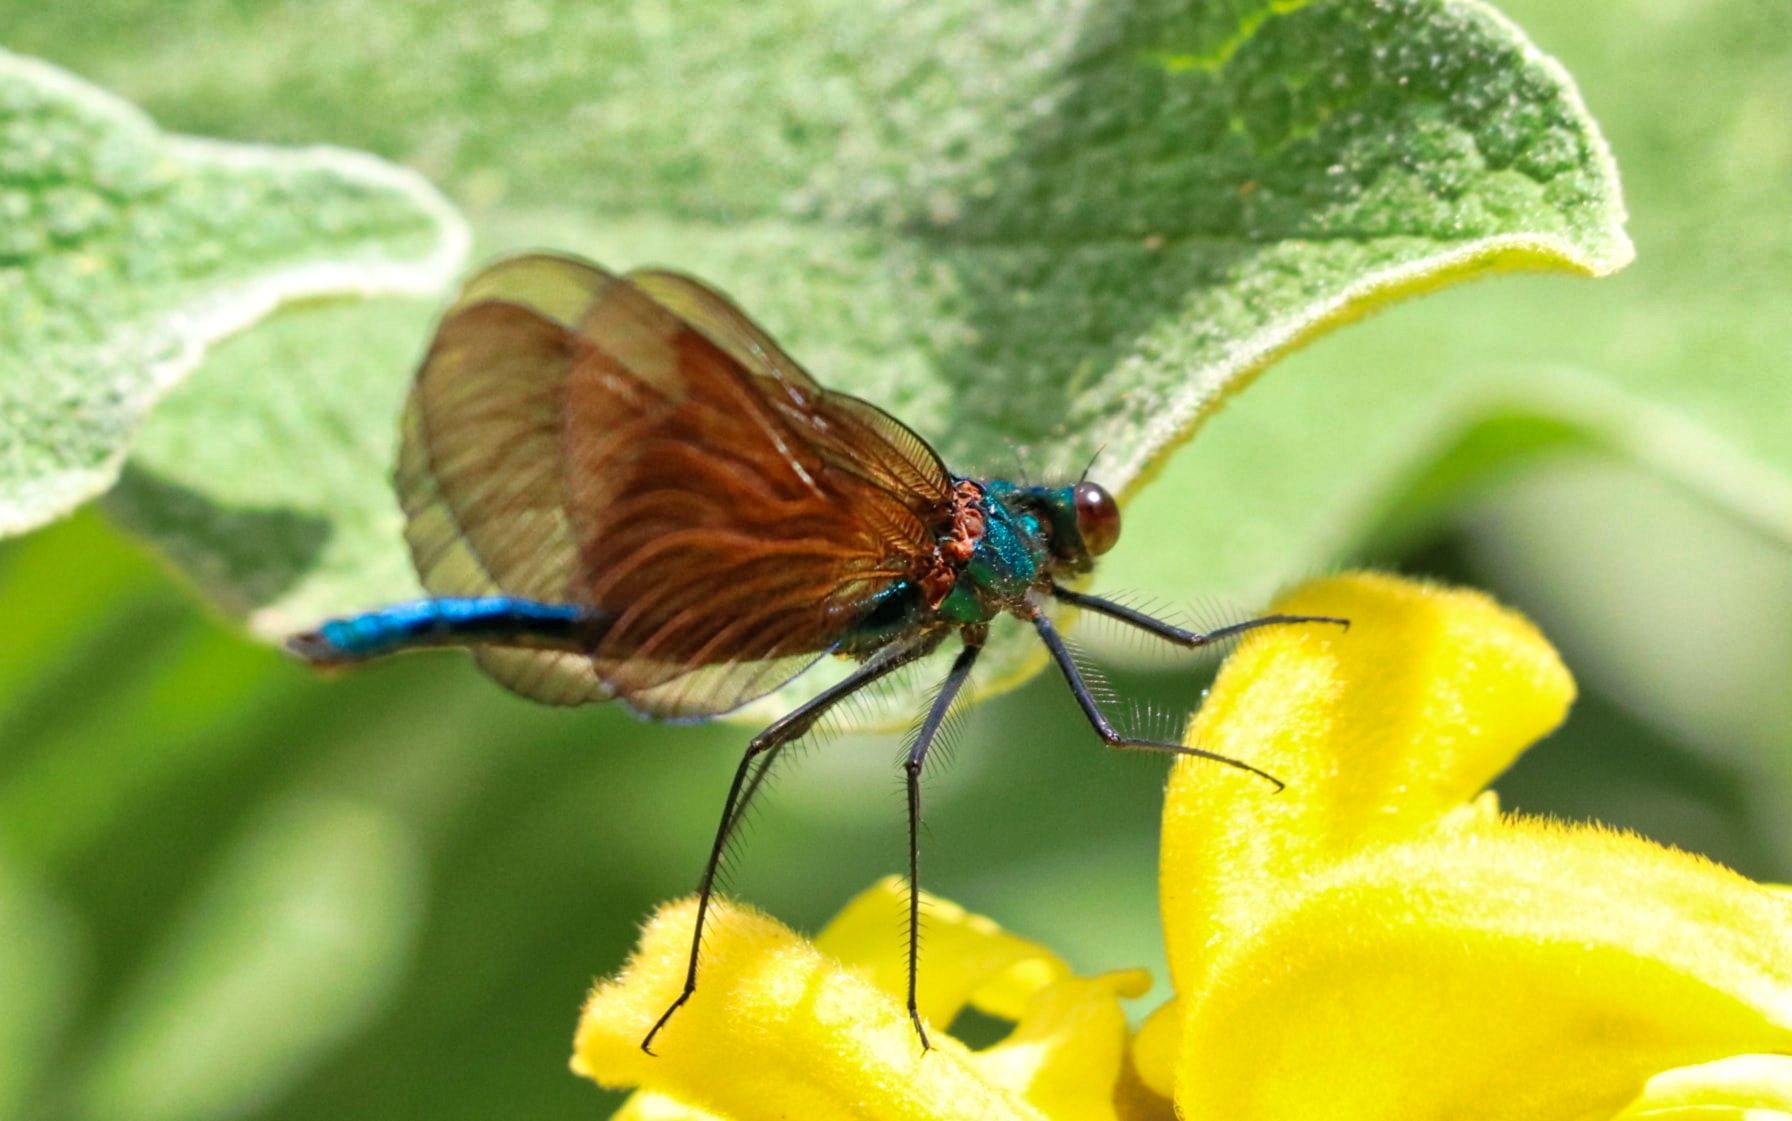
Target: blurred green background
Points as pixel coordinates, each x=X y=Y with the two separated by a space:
x=229 y=889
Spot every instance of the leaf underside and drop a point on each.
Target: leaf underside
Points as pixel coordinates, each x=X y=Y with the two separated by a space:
x=126 y=252
x=1068 y=230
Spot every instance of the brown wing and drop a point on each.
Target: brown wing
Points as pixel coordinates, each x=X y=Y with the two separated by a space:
x=640 y=446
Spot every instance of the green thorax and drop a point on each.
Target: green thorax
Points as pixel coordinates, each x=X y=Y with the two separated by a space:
x=1012 y=557
x=1028 y=537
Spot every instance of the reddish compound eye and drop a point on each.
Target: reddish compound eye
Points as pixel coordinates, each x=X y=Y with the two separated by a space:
x=1097 y=518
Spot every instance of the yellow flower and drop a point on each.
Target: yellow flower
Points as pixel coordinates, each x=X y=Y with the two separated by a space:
x=1378 y=941
x=788 y=1029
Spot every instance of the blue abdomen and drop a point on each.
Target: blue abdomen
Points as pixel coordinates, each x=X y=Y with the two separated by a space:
x=501 y=620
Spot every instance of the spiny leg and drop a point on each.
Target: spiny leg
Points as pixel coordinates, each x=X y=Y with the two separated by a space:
x=917 y=758
x=1193 y=640
x=1108 y=733
x=766 y=744
x=757 y=777
x=756 y=780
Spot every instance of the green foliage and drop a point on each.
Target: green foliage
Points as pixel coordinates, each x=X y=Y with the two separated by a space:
x=311 y=917
x=1678 y=364
x=1031 y=238
x=124 y=253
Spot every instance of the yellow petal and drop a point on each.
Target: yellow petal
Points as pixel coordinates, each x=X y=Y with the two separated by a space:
x=645 y=1105
x=777 y=1029
x=966 y=957
x=1379 y=731
x=1135 y=1101
x=1066 y=1052
x=1519 y=971
x=1739 y=1088
x=1156 y=1048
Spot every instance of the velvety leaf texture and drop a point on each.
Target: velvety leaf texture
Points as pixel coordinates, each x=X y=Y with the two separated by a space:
x=124 y=252
x=1033 y=235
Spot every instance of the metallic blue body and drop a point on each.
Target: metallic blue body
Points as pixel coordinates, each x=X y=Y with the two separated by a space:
x=1029 y=534
x=448 y=621
x=1010 y=557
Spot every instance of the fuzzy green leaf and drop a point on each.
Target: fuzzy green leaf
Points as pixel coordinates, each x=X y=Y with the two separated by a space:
x=1032 y=237
x=124 y=252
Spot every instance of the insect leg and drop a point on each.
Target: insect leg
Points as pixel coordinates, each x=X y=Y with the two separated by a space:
x=1191 y=639
x=762 y=748
x=801 y=720
x=1108 y=733
x=917 y=757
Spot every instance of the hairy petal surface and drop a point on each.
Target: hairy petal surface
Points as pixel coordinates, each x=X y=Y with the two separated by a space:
x=1379 y=941
x=779 y=1028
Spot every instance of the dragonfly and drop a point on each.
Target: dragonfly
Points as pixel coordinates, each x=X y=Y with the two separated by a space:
x=619 y=488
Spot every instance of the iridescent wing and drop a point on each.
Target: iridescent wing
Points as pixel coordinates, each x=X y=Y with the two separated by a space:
x=639 y=446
